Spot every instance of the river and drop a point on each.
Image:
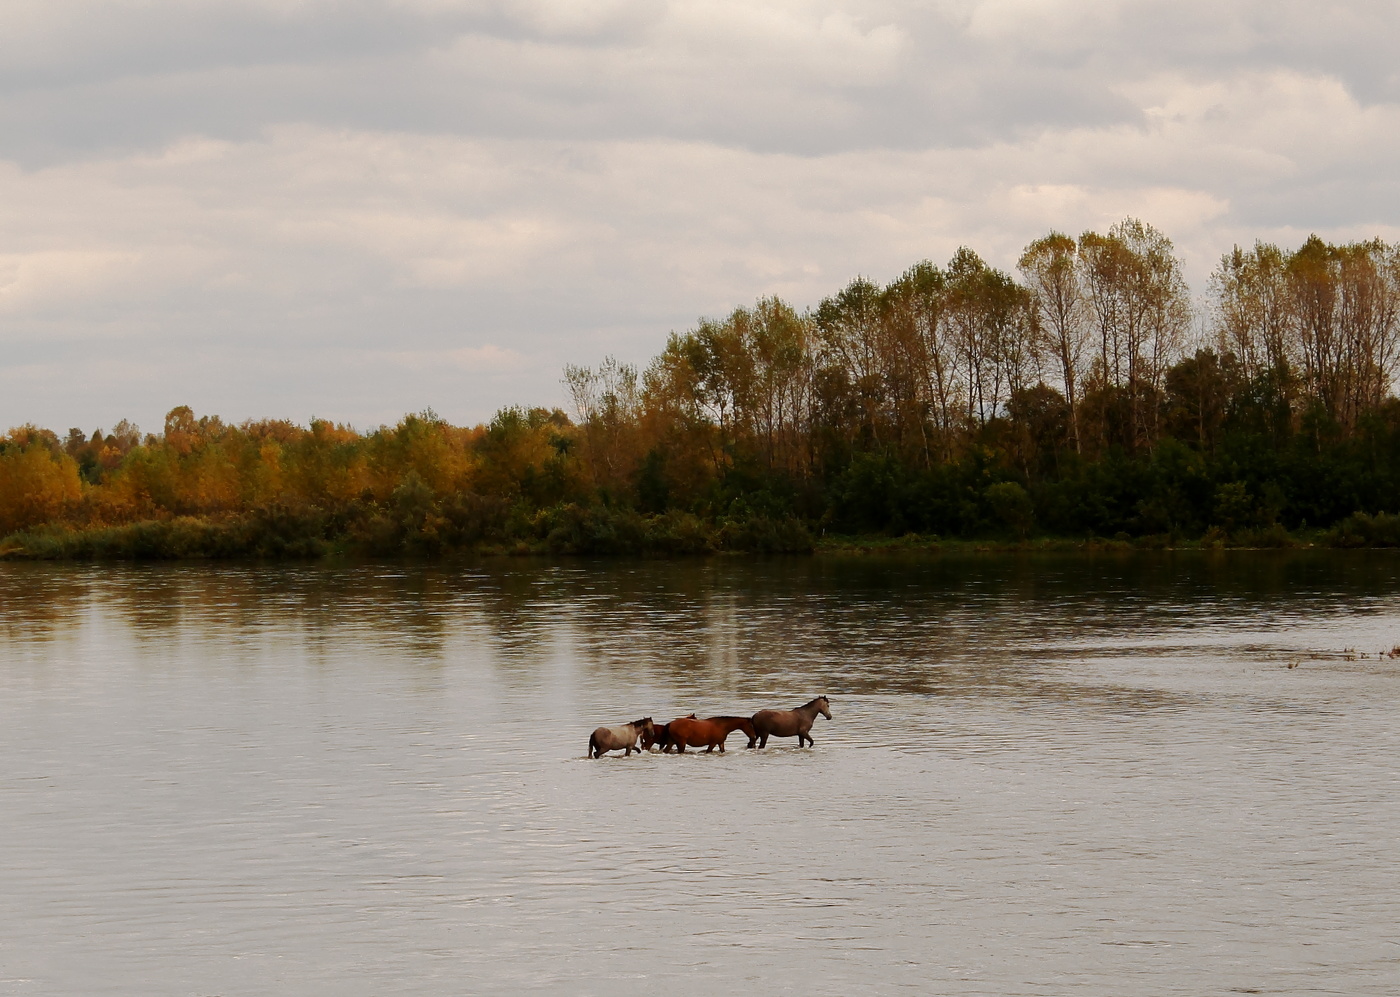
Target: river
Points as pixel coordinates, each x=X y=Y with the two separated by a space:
x=1044 y=775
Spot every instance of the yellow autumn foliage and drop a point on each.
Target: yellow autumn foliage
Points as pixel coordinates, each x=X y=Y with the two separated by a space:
x=36 y=484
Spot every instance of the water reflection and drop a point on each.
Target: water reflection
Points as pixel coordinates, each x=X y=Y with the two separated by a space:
x=927 y=626
x=1044 y=774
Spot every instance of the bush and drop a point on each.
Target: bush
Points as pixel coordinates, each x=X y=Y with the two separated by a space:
x=152 y=540
x=767 y=535
x=679 y=533
x=1361 y=530
x=1012 y=507
x=578 y=529
x=1269 y=536
x=283 y=531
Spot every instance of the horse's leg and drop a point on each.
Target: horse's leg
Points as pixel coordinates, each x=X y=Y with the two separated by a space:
x=763 y=743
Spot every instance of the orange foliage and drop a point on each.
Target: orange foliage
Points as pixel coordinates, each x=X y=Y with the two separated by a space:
x=38 y=482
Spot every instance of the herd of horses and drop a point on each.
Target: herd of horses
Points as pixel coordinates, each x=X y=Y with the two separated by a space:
x=690 y=732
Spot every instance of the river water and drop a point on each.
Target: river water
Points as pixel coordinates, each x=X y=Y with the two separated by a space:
x=1044 y=775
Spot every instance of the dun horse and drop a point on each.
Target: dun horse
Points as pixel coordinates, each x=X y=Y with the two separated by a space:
x=606 y=739
x=688 y=732
x=786 y=723
x=661 y=734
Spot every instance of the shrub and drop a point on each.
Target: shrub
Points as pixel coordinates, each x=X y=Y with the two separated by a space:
x=1012 y=507
x=767 y=535
x=1361 y=530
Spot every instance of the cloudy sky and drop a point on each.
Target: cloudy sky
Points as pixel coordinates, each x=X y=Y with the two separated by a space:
x=353 y=209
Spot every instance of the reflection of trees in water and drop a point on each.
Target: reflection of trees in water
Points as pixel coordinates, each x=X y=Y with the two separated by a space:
x=37 y=603
x=152 y=600
x=942 y=625
x=385 y=605
x=782 y=628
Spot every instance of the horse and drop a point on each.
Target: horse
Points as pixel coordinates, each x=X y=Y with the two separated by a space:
x=786 y=723
x=606 y=739
x=709 y=733
x=661 y=734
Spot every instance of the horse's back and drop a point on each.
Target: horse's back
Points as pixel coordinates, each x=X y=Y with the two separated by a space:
x=697 y=733
x=780 y=722
x=615 y=737
x=683 y=730
x=730 y=724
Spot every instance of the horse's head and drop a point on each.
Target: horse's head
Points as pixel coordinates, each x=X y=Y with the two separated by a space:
x=824 y=706
x=645 y=727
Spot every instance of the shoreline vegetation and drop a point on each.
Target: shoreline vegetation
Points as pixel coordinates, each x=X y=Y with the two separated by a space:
x=1088 y=402
x=191 y=538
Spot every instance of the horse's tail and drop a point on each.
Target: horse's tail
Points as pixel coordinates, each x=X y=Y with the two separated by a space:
x=592 y=744
x=749 y=731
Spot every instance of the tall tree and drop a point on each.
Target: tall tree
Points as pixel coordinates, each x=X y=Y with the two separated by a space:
x=1051 y=269
x=850 y=332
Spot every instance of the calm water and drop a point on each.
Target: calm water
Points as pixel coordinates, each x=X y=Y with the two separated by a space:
x=1087 y=775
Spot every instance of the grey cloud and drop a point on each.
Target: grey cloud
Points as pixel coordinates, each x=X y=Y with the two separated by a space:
x=137 y=76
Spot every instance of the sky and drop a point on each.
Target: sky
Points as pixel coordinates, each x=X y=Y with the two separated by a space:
x=356 y=209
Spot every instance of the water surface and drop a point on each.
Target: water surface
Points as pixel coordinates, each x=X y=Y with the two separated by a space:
x=1044 y=776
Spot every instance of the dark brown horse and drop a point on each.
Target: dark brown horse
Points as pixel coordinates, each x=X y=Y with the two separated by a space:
x=786 y=723
x=709 y=733
x=606 y=739
x=661 y=734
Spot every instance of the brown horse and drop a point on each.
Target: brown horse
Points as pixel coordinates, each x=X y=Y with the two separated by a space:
x=606 y=739
x=709 y=733
x=786 y=723
x=661 y=734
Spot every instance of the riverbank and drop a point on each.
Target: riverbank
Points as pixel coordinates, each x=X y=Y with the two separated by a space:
x=587 y=531
x=916 y=543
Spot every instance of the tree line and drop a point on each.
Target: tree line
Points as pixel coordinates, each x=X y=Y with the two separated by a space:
x=1088 y=394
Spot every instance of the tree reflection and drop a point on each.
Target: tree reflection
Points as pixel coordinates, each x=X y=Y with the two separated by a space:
x=763 y=630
